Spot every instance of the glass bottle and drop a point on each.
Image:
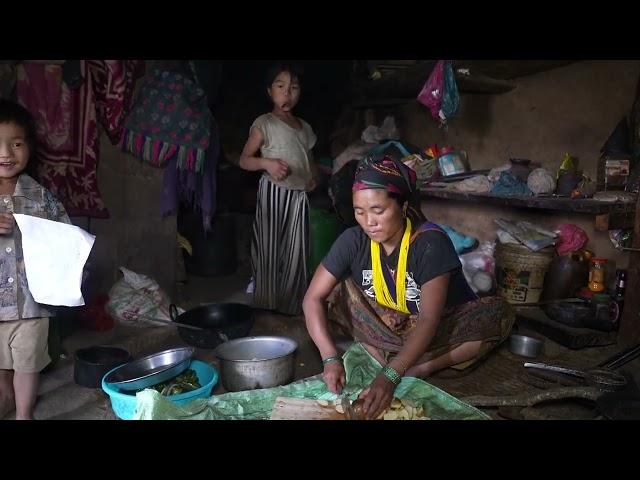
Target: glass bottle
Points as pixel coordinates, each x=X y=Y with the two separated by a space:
x=621 y=286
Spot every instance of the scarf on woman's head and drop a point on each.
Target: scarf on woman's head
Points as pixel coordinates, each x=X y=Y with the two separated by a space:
x=393 y=176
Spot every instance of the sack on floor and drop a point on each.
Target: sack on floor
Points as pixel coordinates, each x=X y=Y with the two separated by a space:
x=137 y=300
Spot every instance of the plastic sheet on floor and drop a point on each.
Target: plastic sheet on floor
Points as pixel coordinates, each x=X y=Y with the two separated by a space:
x=361 y=368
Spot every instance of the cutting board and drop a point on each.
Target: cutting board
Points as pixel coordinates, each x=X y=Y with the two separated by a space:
x=286 y=408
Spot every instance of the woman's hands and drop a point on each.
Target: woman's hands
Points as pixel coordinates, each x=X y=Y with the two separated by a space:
x=334 y=377
x=277 y=168
x=6 y=223
x=377 y=397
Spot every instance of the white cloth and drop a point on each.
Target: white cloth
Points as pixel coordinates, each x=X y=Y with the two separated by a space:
x=477 y=184
x=54 y=255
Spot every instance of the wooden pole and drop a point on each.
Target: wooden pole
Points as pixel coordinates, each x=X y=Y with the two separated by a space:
x=629 y=333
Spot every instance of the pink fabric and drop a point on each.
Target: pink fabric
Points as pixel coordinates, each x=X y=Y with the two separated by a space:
x=66 y=121
x=570 y=239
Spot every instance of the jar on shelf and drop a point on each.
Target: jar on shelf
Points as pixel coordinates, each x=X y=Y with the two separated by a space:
x=596 y=274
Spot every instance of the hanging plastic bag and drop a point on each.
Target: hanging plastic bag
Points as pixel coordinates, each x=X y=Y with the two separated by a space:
x=450 y=98
x=433 y=90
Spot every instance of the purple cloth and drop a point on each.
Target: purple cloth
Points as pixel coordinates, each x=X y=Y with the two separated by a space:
x=195 y=189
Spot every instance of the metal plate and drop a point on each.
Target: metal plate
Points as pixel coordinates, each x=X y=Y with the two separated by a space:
x=151 y=370
x=256 y=349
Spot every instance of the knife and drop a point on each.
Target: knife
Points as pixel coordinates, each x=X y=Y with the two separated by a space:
x=348 y=409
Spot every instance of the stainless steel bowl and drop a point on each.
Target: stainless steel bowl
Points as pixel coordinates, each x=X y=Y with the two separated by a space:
x=256 y=362
x=525 y=346
x=151 y=370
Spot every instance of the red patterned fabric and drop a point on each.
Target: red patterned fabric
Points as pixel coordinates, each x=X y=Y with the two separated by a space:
x=113 y=85
x=68 y=143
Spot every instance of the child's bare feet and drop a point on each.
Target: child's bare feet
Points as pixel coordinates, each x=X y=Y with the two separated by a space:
x=25 y=418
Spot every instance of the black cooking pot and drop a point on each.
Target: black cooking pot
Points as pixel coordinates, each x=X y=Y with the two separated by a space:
x=93 y=363
x=220 y=321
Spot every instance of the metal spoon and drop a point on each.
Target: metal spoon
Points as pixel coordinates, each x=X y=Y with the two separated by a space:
x=177 y=324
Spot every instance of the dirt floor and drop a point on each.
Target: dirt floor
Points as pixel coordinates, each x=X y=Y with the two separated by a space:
x=501 y=375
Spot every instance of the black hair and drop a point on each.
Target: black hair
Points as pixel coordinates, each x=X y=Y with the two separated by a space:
x=401 y=199
x=13 y=112
x=276 y=69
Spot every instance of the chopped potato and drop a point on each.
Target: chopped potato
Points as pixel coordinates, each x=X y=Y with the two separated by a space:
x=322 y=403
x=402 y=410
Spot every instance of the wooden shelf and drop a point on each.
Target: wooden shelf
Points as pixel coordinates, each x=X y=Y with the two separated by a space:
x=608 y=215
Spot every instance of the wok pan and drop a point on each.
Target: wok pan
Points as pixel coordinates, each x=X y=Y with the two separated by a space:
x=220 y=321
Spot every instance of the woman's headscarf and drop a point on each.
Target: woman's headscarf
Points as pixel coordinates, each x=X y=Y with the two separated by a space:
x=393 y=176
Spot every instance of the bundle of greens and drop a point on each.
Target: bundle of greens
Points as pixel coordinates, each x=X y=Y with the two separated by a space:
x=185 y=382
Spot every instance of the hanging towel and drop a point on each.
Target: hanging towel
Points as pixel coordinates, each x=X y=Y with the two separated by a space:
x=66 y=121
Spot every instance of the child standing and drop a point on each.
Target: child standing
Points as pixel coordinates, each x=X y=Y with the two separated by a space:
x=280 y=144
x=24 y=324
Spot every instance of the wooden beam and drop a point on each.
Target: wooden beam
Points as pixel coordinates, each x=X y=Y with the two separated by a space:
x=510 y=69
x=381 y=103
x=629 y=333
x=406 y=83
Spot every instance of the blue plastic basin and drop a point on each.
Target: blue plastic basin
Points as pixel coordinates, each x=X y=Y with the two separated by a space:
x=124 y=404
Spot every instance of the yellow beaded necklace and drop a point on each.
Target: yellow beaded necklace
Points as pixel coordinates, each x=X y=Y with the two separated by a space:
x=383 y=295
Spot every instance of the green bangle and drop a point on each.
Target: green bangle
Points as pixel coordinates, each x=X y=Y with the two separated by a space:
x=391 y=374
x=333 y=358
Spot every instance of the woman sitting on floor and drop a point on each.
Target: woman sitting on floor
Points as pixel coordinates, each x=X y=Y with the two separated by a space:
x=396 y=284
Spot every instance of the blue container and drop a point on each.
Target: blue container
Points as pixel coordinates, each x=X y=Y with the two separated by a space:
x=453 y=163
x=124 y=404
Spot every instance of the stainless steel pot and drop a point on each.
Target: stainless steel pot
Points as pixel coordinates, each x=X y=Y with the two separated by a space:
x=257 y=362
x=525 y=346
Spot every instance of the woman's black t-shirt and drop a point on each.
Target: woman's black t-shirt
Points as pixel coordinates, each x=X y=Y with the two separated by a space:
x=431 y=254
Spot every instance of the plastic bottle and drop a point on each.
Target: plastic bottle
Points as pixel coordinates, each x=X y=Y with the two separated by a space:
x=596 y=275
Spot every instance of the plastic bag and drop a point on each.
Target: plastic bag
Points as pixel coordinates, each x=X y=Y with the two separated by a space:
x=570 y=239
x=478 y=268
x=461 y=242
x=361 y=368
x=136 y=300
x=621 y=238
x=386 y=131
x=450 y=99
x=433 y=90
